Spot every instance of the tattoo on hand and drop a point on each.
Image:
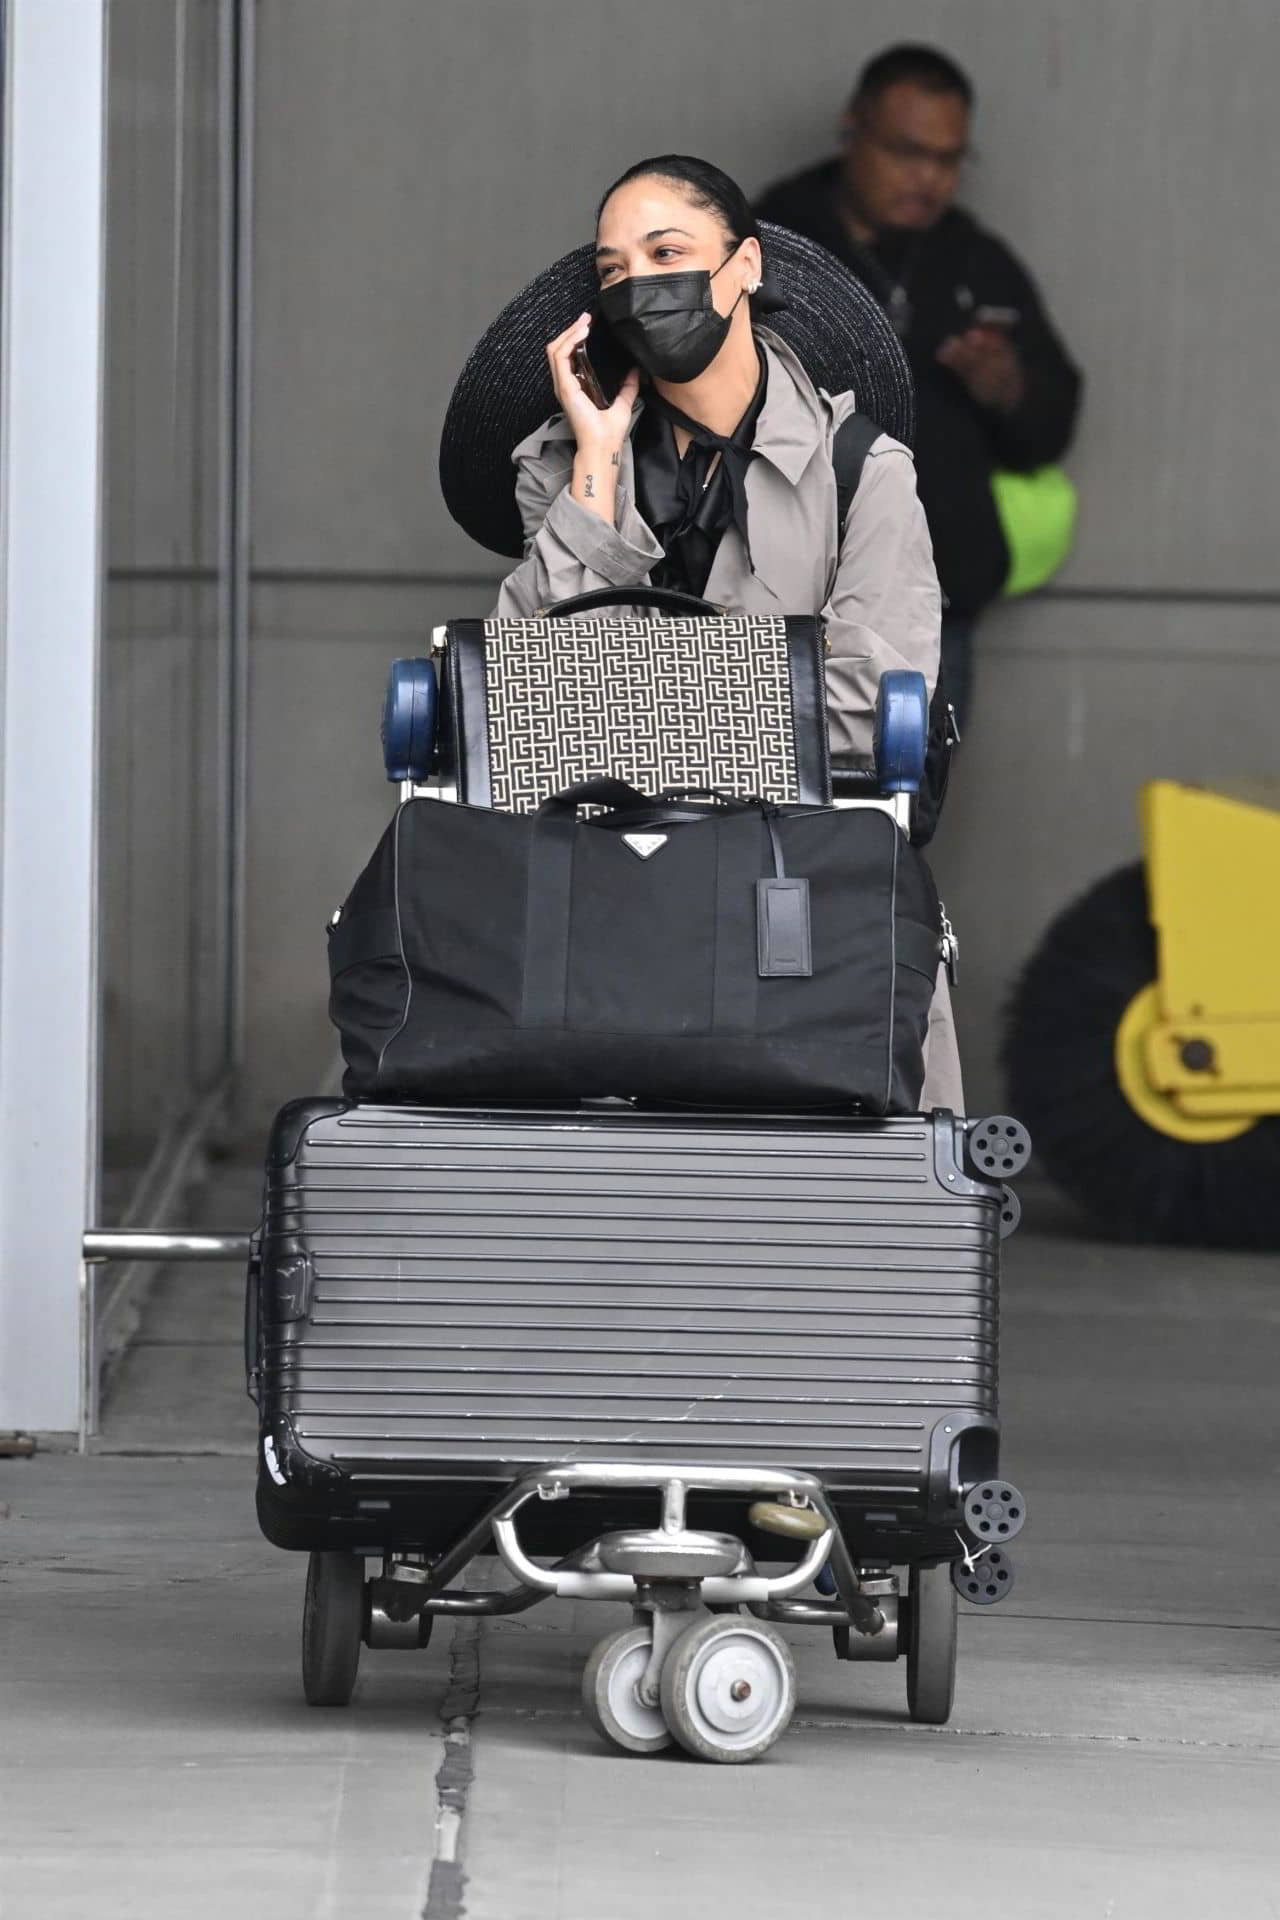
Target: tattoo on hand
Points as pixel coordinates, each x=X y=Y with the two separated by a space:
x=589 y=487
x=617 y=458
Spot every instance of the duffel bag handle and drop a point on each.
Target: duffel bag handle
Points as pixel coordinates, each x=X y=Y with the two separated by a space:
x=730 y=802
x=663 y=599
x=599 y=791
x=619 y=796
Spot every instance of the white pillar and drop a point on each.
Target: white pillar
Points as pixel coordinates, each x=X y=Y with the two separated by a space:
x=51 y=285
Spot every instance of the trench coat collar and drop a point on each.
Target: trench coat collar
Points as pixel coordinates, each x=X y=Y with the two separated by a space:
x=791 y=428
x=793 y=420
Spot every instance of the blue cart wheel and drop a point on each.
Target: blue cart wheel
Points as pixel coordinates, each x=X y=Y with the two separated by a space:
x=902 y=731
x=409 y=720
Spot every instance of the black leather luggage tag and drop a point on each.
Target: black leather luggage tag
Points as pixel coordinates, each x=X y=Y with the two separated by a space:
x=782 y=929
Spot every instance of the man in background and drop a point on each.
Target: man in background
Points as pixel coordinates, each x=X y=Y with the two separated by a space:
x=994 y=386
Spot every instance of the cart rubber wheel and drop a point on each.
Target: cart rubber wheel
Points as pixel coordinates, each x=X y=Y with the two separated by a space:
x=332 y=1628
x=610 y=1693
x=931 y=1653
x=728 y=1689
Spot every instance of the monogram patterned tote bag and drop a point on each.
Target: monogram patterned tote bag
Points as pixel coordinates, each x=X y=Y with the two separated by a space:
x=642 y=685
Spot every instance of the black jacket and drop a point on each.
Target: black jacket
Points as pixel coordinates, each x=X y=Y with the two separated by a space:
x=943 y=276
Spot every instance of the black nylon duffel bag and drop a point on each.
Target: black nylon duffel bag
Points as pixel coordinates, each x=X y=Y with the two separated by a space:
x=736 y=954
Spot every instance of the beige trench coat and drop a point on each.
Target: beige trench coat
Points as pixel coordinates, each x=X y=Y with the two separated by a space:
x=876 y=587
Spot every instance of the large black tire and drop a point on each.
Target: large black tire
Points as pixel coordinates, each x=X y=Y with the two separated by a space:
x=931 y=1648
x=1059 y=1059
x=332 y=1628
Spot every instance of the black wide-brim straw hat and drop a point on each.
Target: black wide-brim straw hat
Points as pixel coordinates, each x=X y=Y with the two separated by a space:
x=809 y=299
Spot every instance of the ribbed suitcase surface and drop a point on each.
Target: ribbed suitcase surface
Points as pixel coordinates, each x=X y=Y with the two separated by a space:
x=488 y=1292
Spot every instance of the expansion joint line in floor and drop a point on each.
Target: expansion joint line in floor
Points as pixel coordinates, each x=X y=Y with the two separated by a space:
x=455 y=1773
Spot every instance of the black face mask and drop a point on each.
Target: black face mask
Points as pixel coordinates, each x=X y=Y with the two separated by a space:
x=668 y=322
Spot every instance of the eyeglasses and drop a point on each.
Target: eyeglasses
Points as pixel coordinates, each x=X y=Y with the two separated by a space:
x=910 y=153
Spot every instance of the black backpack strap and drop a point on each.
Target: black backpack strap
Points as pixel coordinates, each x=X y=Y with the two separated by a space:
x=850 y=445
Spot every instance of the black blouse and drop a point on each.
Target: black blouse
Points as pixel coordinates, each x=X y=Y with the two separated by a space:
x=688 y=503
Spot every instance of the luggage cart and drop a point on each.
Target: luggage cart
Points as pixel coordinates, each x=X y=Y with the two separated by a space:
x=736 y=1372
x=641 y=1358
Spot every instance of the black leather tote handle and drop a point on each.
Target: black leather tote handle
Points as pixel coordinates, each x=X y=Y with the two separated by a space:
x=849 y=782
x=664 y=599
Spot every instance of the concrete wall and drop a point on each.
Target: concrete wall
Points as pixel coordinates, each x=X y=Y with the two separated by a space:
x=417 y=164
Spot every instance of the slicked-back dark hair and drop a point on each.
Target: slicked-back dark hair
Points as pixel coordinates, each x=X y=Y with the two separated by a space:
x=924 y=66
x=705 y=186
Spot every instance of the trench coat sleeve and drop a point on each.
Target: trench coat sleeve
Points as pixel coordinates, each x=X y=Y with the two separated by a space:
x=568 y=549
x=943 y=1081
x=885 y=607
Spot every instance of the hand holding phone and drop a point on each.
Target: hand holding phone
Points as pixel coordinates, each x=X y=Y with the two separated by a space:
x=985 y=359
x=597 y=424
x=586 y=377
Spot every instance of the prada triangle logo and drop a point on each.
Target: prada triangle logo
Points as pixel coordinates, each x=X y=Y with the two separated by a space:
x=645 y=845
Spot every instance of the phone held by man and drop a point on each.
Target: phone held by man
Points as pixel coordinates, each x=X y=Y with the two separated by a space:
x=984 y=357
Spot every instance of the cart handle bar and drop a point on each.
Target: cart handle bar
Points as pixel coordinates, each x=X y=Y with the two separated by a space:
x=115 y=1243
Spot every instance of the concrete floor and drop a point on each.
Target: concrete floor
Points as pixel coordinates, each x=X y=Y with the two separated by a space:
x=1115 y=1749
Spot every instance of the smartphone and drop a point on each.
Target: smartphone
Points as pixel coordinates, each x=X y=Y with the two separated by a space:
x=586 y=376
x=1004 y=318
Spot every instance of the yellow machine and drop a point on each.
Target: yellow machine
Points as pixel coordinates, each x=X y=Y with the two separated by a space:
x=1198 y=1050
x=1142 y=1043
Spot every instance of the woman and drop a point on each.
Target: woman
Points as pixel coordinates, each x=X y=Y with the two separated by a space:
x=712 y=468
